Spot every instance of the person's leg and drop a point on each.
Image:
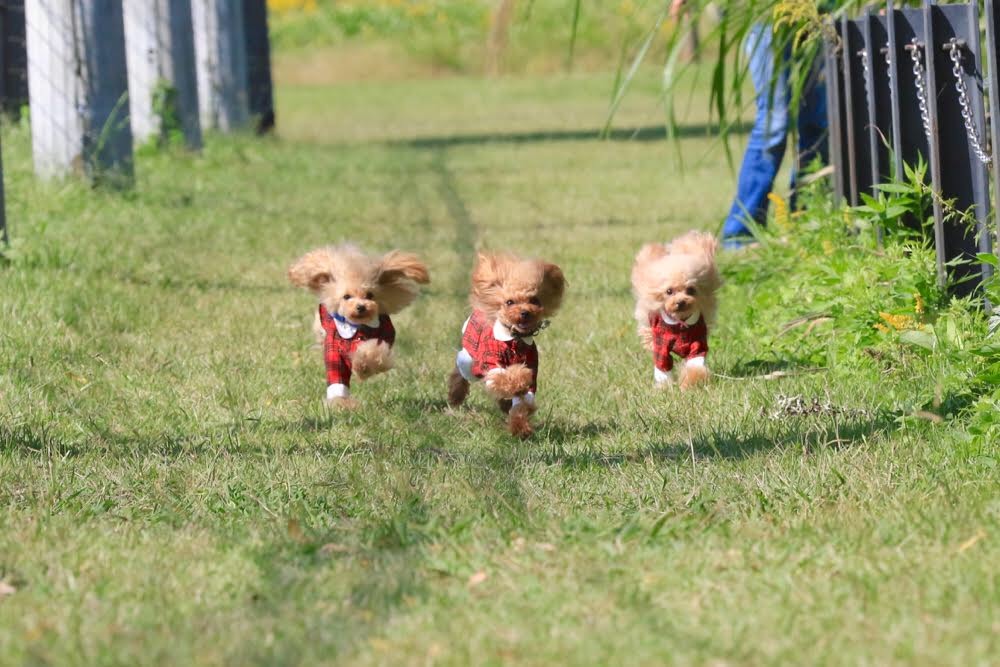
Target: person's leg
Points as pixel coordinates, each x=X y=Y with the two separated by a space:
x=766 y=145
x=812 y=127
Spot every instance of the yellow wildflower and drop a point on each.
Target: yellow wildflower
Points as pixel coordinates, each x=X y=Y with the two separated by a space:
x=284 y=6
x=782 y=219
x=881 y=327
x=898 y=322
x=918 y=303
x=828 y=247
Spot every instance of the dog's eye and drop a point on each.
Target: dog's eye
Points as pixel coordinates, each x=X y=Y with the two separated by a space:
x=535 y=301
x=369 y=296
x=691 y=291
x=346 y=297
x=670 y=291
x=510 y=302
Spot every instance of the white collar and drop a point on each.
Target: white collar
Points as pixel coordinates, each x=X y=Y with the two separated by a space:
x=503 y=333
x=691 y=321
x=349 y=329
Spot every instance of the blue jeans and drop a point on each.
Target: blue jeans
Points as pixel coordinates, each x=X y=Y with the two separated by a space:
x=766 y=146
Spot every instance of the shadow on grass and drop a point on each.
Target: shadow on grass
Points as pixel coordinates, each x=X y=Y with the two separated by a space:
x=36 y=440
x=805 y=434
x=751 y=368
x=182 y=283
x=644 y=133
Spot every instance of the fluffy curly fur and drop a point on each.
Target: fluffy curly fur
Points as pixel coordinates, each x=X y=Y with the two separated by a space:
x=360 y=287
x=521 y=293
x=680 y=278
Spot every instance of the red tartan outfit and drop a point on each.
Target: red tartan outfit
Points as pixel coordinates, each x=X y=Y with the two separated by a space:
x=341 y=343
x=685 y=340
x=489 y=345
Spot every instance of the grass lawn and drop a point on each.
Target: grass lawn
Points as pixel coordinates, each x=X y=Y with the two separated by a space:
x=174 y=492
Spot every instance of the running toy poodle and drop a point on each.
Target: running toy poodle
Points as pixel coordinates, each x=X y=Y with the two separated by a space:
x=675 y=286
x=357 y=294
x=511 y=299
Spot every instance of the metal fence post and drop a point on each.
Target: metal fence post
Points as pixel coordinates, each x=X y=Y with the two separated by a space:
x=993 y=67
x=909 y=134
x=260 y=89
x=855 y=83
x=220 y=47
x=14 y=56
x=79 y=89
x=875 y=31
x=4 y=239
x=834 y=114
x=958 y=139
x=162 y=81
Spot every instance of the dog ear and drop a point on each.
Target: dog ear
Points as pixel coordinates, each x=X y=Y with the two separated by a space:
x=486 y=273
x=313 y=270
x=397 y=265
x=553 y=286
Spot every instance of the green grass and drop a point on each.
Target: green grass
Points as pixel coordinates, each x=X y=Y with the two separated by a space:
x=174 y=491
x=451 y=36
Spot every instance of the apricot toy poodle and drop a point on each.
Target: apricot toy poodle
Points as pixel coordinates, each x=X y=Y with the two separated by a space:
x=511 y=300
x=675 y=287
x=357 y=293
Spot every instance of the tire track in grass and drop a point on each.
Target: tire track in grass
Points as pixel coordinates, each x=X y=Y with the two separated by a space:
x=466 y=231
x=501 y=489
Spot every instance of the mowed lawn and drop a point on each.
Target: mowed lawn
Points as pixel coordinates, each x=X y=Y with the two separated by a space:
x=174 y=491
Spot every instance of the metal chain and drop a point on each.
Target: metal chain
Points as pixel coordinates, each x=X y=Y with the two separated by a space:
x=955 y=53
x=918 y=79
x=888 y=67
x=864 y=65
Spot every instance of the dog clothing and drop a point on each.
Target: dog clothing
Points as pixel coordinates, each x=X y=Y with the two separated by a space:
x=687 y=339
x=342 y=339
x=490 y=347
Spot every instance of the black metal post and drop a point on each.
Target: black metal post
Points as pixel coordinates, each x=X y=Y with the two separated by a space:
x=4 y=239
x=856 y=77
x=260 y=89
x=875 y=32
x=834 y=84
x=909 y=142
x=13 y=56
x=961 y=176
x=851 y=130
x=993 y=67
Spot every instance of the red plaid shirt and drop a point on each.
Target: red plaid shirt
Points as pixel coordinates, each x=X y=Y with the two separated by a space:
x=488 y=353
x=337 y=350
x=686 y=341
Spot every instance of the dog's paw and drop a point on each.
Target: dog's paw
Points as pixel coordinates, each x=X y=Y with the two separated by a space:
x=506 y=383
x=519 y=420
x=458 y=388
x=371 y=358
x=342 y=403
x=693 y=375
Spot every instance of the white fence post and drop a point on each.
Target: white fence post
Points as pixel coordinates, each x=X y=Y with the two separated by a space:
x=220 y=46
x=78 y=87
x=162 y=79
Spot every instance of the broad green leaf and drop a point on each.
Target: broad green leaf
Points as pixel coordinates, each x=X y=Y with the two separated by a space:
x=919 y=338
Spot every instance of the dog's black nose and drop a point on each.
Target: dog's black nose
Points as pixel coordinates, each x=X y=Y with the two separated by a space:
x=525 y=314
x=361 y=308
x=682 y=304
